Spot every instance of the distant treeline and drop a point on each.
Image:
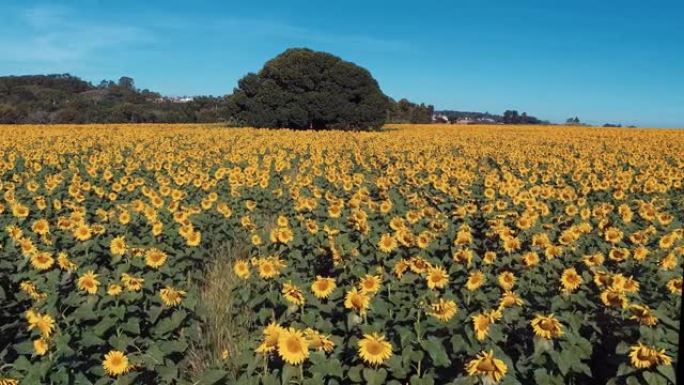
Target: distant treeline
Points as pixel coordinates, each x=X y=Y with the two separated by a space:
x=68 y=99
x=508 y=117
x=64 y=98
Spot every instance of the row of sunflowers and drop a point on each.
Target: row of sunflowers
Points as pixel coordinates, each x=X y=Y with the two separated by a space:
x=415 y=255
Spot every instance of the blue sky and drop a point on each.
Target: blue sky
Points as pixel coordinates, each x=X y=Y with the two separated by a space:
x=604 y=61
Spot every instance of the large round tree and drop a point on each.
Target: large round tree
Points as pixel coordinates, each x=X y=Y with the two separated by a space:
x=305 y=89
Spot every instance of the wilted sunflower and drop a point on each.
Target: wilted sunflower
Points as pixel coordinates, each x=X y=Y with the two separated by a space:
x=614 y=297
x=546 y=326
x=357 y=301
x=443 y=309
x=509 y=298
x=642 y=356
x=487 y=366
x=481 y=324
x=322 y=287
x=675 y=285
x=293 y=294
x=88 y=282
x=374 y=350
x=643 y=314
x=400 y=267
x=293 y=347
x=319 y=341
x=437 y=277
x=418 y=264
x=132 y=283
x=115 y=363
x=171 y=297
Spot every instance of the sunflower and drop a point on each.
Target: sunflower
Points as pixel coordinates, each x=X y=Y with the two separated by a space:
x=171 y=297
x=418 y=265
x=400 y=267
x=437 y=277
x=117 y=246
x=357 y=301
x=83 y=232
x=44 y=323
x=613 y=235
x=546 y=326
x=642 y=356
x=530 y=259
x=40 y=227
x=509 y=298
x=155 y=258
x=464 y=256
x=613 y=297
x=114 y=290
x=270 y=339
x=487 y=366
x=489 y=257
x=669 y=262
x=319 y=341
x=193 y=239
x=370 y=284
x=506 y=280
x=675 y=285
x=241 y=269
x=475 y=280
x=42 y=261
x=643 y=314
x=256 y=240
x=115 y=363
x=40 y=346
x=387 y=243
x=322 y=287
x=293 y=347
x=267 y=269
x=443 y=309
x=373 y=349
x=64 y=263
x=481 y=324
x=292 y=294
x=570 y=280
x=88 y=282
x=593 y=259
x=132 y=283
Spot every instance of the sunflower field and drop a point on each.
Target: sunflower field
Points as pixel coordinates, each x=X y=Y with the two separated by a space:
x=415 y=255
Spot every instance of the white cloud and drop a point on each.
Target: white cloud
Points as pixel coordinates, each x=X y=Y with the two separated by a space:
x=55 y=36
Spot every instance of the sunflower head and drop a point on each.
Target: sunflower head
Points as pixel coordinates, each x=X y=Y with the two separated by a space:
x=374 y=349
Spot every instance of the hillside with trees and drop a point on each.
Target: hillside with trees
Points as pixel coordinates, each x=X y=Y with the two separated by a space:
x=300 y=88
x=65 y=98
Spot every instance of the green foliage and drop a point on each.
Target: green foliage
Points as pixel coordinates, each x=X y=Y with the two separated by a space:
x=304 y=89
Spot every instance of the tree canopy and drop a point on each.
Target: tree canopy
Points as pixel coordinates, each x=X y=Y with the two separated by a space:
x=305 y=89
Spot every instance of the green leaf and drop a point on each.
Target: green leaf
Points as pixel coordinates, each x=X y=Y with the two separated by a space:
x=668 y=372
x=436 y=350
x=211 y=376
x=375 y=376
